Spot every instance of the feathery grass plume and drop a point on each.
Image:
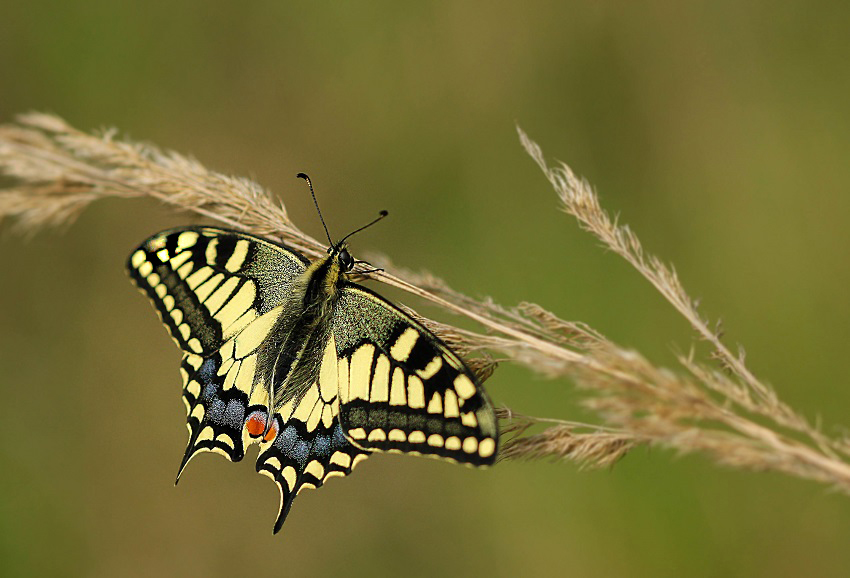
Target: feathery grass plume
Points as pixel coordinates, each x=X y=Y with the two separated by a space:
x=588 y=445
x=725 y=412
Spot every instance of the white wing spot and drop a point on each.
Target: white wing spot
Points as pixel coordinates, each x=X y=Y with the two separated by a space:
x=486 y=447
x=435 y=440
x=212 y=251
x=380 y=381
x=450 y=403
x=226 y=364
x=225 y=439
x=306 y=405
x=361 y=365
x=238 y=257
x=328 y=416
x=208 y=433
x=187 y=239
x=469 y=419
x=316 y=469
x=341 y=459
x=398 y=393
x=329 y=373
x=464 y=387
x=194 y=388
x=432 y=368
x=138 y=258
x=274 y=462
x=289 y=475
x=315 y=415
x=436 y=403
x=415 y=392
x=404 y=344
x=230 y=380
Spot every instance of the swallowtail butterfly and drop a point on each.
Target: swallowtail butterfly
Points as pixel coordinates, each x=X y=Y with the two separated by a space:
x=342 y=372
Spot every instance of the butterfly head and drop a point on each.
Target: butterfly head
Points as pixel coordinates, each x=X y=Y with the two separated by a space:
x=339 y=253
x=344 y=258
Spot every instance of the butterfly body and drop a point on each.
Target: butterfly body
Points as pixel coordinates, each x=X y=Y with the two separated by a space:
x=293 y=356
x=303 y=329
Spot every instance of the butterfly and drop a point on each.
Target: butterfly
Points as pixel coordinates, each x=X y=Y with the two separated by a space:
x=291 y=355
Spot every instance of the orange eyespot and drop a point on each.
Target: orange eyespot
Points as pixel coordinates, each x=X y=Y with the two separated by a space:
x=256 y=424
x=272 y=433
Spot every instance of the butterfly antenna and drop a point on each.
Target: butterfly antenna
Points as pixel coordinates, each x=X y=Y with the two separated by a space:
x=315 y=202
x=381 y=215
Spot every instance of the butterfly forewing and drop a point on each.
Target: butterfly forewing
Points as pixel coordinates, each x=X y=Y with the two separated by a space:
x=208 y=284
x=402 y=389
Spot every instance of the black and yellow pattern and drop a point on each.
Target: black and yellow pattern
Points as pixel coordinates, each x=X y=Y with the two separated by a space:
x=341 y=371
x=402 y=389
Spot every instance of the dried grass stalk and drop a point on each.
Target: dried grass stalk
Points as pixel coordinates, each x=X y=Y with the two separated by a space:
x=722 y=411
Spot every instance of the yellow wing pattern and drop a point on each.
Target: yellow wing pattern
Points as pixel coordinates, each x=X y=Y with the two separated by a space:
x=402 y=389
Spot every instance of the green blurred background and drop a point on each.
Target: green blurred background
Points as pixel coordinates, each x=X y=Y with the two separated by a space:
x=719 y=130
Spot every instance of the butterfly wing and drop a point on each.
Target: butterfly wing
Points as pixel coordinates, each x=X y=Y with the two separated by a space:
x=220 y=294
x=309 y=445
x=402 y=389
x=208 y=284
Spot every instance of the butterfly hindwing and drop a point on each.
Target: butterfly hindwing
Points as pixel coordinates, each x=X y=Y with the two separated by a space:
x=215 y=416
x=297 y=460
x=307 y=445
x=207 y=284
x=402 y=389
